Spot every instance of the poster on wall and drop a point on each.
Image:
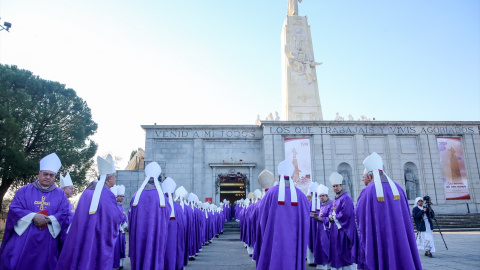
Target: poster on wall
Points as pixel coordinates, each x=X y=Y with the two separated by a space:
x=453 y=168
x=298 y=151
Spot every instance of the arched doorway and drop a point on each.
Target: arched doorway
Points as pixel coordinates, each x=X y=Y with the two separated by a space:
x=232 y=186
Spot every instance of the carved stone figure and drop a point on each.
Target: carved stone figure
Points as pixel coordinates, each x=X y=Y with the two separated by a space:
x=294 y=63
x=269 y=117
x=338 y=117
x=309 y=70
x=258 y=122
x=410 y=184
x=292 y=8
x=347 y=182
x=363 y=118
x=277 y=117
x=350 y=117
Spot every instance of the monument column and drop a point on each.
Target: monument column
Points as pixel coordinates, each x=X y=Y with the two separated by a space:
x=300 y=97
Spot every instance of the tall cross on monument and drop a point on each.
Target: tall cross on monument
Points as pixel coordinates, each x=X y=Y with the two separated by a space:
x=42 y=203
x=301 y=100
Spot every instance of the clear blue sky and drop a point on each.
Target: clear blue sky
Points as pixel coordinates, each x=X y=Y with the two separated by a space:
x=218 y=62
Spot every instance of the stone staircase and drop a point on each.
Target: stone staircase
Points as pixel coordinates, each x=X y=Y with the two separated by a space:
x=457 y=222
x=231 y=227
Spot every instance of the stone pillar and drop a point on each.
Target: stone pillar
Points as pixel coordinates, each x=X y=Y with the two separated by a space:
x=197 y=184
x=359 y=155
x=268 y=150
x=318 y=169
x=395 y=169
x=471 y=148
x=328 y=162
x=301 y=100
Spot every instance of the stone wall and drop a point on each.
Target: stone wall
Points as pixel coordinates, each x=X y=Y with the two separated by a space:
x=194 y=155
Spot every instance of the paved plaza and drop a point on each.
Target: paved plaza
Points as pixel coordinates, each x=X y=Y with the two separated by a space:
x=227 y=252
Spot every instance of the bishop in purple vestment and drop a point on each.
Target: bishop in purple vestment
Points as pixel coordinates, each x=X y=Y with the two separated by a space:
x=94 y=229
x=387 y=239
x=148 y=216
x=176 y=229
x=119 y=251
x=343 y=229
x=284 y=222
x=37 y=214
x=66 y=185
x=322 y=240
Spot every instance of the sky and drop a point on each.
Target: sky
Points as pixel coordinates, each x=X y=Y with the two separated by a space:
x=219 y=62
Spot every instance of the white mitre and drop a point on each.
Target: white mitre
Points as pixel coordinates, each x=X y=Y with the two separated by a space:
x=374 y=164
x=114 y=190
x=168 y=186
x=66 y=180
x=105 y=167
x=322 y=189
x=246 y=202
x=315 y=201
x=286 y=168
x=120 y=190
x=181 y=192
x=336 y=179
x=257 y=193
x=266 y=179
x=313 y=187
x=50 y=163
x=191 y=198
x=152 y=170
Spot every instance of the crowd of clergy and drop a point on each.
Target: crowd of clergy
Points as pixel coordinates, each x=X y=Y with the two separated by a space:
x=167 y=226
x=282 y=228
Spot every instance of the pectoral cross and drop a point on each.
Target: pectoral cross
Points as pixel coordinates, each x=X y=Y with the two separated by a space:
x=42 y=203
x=333 y=207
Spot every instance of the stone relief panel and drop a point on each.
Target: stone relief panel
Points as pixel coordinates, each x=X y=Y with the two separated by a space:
x=346 y=171
x=408 y=145
x=376 y=144
x=343 y=146
x=412 y=183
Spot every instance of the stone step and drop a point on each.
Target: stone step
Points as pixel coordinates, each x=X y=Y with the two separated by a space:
x=457 y=222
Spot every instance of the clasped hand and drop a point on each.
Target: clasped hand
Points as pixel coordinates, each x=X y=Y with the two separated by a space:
x=40 y=220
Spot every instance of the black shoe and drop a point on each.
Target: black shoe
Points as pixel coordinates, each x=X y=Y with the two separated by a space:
x=426 y=254
x=430 y=255
x=191 y=258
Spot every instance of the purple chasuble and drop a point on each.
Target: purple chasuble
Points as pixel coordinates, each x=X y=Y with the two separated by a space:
x=35 y=247
x=258 y=236
x=175 y=240
x=91 y=238
x=63 y=233
x=343 y=241
x=119 y=251
x=387 y=239
x=284 y=230
x=189 y=233
x=312 y=233
x=322 y=240
x=200 y=228
x=148 y=227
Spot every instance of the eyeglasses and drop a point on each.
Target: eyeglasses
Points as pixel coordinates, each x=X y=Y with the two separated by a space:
x=48 y=174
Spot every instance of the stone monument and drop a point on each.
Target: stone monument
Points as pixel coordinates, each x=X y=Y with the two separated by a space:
x=301 y=100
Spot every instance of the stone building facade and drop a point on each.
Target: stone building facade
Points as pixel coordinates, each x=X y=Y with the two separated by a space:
x=204 y=158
